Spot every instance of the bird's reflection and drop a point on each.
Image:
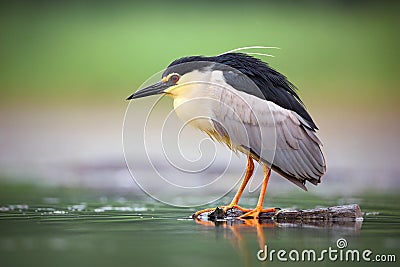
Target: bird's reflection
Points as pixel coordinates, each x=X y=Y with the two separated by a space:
x=240 y=228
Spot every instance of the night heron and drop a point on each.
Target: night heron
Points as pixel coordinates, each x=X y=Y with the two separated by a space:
x=241 y=91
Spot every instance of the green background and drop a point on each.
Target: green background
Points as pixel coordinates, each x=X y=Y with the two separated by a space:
x=83 y=49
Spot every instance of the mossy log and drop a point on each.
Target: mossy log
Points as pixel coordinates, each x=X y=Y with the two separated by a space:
x=330 y=214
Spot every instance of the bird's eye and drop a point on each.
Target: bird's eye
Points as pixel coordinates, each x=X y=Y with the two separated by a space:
x=174 y=78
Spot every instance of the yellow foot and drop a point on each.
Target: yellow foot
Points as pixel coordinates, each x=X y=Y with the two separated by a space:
x=234 y=206
x=256 y=213
x=225 y=208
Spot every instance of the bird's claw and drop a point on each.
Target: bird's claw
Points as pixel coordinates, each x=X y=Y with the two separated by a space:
x=220 y=212
x=222 y=208
x=256 y=213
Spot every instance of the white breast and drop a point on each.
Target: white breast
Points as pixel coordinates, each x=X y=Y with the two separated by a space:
x=196 y=99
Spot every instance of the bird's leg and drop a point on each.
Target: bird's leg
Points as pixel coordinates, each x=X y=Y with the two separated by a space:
x=247 y=176
x=234 y=203
x=259 y=208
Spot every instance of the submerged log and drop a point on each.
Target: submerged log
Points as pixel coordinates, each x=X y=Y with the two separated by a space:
x=330 y=214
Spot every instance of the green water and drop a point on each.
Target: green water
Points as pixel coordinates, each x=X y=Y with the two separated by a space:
x=48 y=227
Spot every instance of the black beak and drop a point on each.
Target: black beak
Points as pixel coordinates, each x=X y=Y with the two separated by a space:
x=154 y=89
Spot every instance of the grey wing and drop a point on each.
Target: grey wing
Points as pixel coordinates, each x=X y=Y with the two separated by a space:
x=298 y=154
x=277 y=136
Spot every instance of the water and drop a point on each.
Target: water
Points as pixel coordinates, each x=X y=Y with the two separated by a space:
x=59 y=227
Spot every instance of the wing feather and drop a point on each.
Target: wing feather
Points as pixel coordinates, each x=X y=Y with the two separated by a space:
x=260 y=126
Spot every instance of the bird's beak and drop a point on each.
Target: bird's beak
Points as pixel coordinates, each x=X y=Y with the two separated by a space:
x=154 y=89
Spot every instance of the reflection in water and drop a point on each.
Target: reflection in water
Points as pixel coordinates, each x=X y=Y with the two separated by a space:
x=238 y=227
x=241 y=227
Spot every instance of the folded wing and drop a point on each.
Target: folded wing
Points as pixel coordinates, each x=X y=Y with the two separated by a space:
x=276 y=136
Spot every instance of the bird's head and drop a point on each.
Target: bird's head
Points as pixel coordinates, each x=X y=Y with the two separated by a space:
x=187 y=70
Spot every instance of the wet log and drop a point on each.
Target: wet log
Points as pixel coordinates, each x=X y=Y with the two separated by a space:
x=344 y=213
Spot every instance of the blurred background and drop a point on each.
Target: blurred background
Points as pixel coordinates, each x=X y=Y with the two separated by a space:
x=67 y=67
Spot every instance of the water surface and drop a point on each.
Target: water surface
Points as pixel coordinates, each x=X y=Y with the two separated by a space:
x=47 y=227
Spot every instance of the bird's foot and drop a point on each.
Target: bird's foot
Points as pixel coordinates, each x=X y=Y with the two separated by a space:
x=234 y=206
x=222 y=208
x=255 y=213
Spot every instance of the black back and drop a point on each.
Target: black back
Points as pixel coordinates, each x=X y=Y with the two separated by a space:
x=273 y=85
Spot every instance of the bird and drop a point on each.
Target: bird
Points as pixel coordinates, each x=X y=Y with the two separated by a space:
x=241 y=101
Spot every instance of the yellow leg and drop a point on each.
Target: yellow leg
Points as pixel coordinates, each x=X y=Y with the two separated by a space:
x=235 y=200
x=246 y=179
x=259 y=208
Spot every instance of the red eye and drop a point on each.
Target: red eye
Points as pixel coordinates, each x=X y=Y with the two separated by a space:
x=174 y=78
